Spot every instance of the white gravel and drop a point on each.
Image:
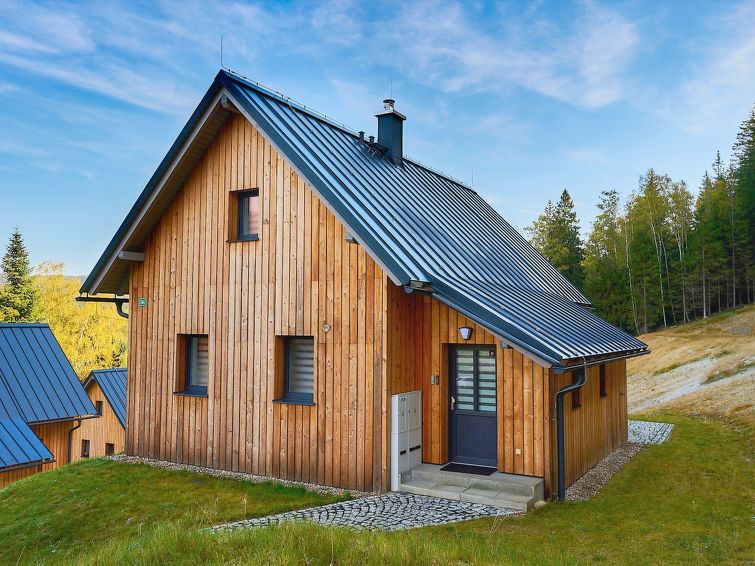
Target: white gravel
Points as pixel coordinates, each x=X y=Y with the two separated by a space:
x=641 y=432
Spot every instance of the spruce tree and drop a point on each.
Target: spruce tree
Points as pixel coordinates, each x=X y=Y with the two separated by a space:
x=18 y=297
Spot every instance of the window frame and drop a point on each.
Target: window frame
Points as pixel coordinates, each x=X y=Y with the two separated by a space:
x=109 y=449
x=603 y=382
x=86 y=448
x=576 y=394
x=99 y=407
x=240 y=196
x=184 y=385
x=296 y=397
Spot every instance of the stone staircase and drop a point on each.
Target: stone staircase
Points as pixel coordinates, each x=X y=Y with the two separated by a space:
x=506 y=491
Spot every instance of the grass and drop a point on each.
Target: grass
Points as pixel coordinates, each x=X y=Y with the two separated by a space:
x=729 y=372
x=62 y=515
x=687 y=501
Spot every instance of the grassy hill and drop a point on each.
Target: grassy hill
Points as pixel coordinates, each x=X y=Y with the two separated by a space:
x=703 y=368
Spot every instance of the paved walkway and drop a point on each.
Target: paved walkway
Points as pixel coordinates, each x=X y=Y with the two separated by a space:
x=641 y=432
x=387 y=512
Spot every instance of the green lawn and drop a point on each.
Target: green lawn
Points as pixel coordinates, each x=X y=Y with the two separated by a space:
x=687 y=501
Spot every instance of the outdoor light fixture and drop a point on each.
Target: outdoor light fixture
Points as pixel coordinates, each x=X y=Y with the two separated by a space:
x=466 y=332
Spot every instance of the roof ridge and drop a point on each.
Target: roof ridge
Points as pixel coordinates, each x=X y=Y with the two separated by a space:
x=277 y=95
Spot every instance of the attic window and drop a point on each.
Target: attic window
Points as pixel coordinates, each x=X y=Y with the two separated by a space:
x=246 y=205
x=98 y=407
x=603 y=390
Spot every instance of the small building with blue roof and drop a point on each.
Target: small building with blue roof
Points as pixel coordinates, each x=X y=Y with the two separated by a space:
x=106 y=435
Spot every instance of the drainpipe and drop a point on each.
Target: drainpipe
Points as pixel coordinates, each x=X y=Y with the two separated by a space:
x=70 y=438
x=581 y=380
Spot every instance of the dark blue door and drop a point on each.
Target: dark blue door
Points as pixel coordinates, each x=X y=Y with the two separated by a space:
x=472 y=420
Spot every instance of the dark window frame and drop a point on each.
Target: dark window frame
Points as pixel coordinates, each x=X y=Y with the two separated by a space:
x=85 y=448
x=296 y=397
x=187 y=387
x=576 y=394
x=109 y=449
x=603 y=384
x=240 y=197
x=98 y=407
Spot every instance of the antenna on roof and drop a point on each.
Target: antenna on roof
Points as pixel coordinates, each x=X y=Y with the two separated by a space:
x=221 y=52
x=391 y=87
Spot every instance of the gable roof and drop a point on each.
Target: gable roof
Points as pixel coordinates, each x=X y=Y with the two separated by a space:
x=20 y=447
x=37 y=382
x=419 y=225
x=113 y=385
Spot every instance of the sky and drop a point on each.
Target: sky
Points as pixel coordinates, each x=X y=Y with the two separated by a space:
x=519 y=99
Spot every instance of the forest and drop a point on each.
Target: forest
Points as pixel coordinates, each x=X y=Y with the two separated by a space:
x=664 y=256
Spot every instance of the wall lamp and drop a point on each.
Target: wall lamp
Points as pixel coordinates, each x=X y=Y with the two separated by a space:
x=466 y=332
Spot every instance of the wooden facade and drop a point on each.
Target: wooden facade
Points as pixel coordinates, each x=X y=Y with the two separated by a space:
x=302 y=278
x=99 y=431
x=52 y=435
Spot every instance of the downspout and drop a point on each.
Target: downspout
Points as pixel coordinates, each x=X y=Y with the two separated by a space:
x=581 y=380
x=70 y=438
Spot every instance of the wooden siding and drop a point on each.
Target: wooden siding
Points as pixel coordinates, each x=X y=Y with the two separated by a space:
x=598 y=426
x=300 y=278
x=420 y=331
x=99 y=431
x=55 y=437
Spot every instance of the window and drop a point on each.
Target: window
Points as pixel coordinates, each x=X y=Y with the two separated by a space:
x=603 y=390
x=299 y=370
x=248 y=215
x=109 y=449
x=98 y=406
x=194 y=366
x=84 y=448
x=576 y=395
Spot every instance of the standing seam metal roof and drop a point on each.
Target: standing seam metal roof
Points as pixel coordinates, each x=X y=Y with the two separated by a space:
x=37 y=382
x=420 y=226
x=20 y=447
x=113 y=385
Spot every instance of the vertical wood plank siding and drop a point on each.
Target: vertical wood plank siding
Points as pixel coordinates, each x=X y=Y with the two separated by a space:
x=599 y=426
x=420 y=331
x=298 y=279
x=99 y=431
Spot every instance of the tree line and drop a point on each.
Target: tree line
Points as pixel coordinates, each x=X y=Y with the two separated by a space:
x=664 y=256
x=92 y=336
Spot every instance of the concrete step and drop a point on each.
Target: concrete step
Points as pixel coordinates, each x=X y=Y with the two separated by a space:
x=510 y=484
x=486 y=496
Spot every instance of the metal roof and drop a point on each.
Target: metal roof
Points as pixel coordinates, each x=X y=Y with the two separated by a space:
x=113 y=385
x=20 y=447
x=37 y=382
x=418 y=224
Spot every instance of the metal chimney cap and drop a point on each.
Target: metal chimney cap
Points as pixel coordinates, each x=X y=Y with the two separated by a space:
x=389 y=103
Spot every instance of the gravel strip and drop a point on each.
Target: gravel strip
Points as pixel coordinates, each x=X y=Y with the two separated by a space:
x=387 y=512
x=593 y=481
x=642 y=432
x=241 y=476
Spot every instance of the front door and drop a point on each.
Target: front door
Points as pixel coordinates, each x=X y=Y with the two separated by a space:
x=472 y=420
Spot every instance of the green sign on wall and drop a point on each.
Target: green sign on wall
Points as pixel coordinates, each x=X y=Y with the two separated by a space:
x=142 y=301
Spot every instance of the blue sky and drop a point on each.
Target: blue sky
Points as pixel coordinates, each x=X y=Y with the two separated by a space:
x=530 y=98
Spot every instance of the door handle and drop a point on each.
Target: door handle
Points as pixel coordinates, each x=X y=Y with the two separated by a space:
x=453 y=402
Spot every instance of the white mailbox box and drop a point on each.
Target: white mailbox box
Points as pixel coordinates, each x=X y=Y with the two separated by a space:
x=406 y=434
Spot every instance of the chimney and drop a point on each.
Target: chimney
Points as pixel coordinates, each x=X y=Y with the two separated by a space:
x=391 y=130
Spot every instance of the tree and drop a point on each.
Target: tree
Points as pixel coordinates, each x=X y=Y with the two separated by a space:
x=92 y=335
x=555 y=234
x=743 y=173
x=18 y=297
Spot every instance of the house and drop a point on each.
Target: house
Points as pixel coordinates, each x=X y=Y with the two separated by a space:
x=106 y=435
x=41 y=402
x=288 y=276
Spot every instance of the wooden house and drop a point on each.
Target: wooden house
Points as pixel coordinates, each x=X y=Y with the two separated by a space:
x=42 y=402
x=106 y=435
x=287 y=276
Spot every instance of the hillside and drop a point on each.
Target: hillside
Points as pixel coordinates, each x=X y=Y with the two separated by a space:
x=706 y=368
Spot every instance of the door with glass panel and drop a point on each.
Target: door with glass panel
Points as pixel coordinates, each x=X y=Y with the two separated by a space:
x=472 y=420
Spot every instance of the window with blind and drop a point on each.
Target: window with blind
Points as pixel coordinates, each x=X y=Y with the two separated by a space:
x=248 y=210
x=300 y=369
x=197 y=364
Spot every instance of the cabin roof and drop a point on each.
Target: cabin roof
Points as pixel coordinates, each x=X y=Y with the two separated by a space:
x=37 y=382
x=20 y=447
x=421 y=226
x=113 y=385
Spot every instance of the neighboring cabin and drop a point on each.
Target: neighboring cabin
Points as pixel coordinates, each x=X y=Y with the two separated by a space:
x=287 y=276
x=106 y=435
x=41 y=402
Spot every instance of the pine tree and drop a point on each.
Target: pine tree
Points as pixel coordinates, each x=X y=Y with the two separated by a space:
x=744 y=205
x=18 y=297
